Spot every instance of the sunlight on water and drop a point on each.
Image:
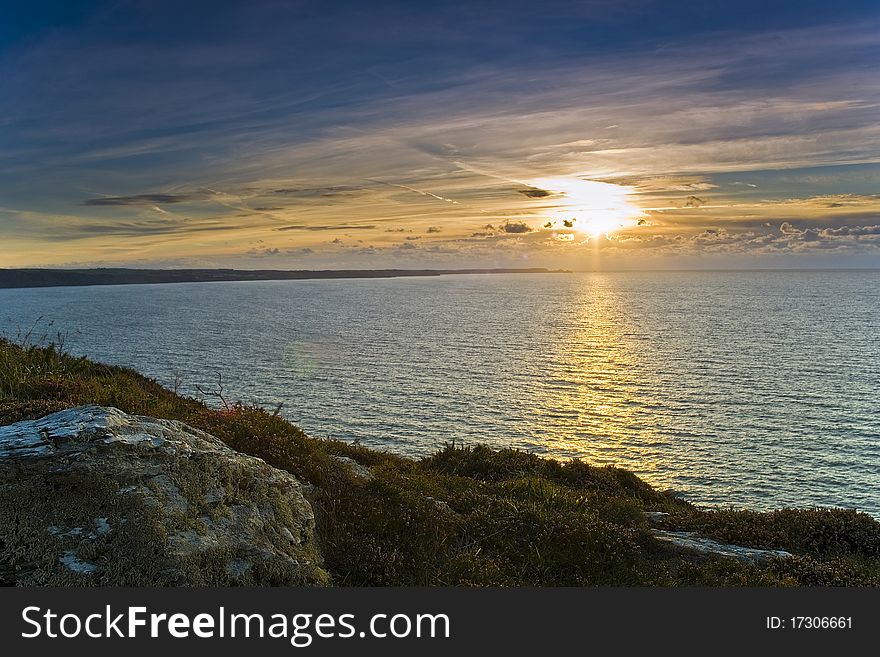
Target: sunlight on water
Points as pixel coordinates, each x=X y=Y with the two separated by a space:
x=591 y=377
x=753 y=389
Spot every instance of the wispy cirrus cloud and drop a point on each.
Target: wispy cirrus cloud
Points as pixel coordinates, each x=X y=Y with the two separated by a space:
x=280 y=123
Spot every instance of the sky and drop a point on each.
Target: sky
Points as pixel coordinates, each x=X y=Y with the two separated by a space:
x=590 y=134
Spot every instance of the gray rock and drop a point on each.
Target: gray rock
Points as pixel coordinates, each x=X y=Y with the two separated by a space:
x=357 y=470
x=695 y=543
x=656 y=517
x=93 y=496
x=441 y=506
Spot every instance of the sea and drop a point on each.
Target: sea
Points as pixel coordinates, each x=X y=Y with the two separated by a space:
x=750 y=389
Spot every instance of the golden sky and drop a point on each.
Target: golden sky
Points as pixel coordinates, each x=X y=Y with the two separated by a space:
x=369 y=143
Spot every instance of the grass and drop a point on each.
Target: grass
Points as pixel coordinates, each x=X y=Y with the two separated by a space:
x=470 y=516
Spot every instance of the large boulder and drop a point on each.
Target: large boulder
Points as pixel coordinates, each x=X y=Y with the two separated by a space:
x=93 y=496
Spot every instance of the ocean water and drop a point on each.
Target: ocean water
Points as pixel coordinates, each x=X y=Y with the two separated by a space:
x=752 y=389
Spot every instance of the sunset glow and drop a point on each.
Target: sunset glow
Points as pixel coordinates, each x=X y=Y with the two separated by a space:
x=592 y=207
x=289 y=136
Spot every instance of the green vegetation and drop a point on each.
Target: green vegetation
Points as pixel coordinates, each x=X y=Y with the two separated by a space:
x=471 y=515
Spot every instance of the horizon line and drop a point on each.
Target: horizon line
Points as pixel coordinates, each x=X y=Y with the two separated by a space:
x=444 y=270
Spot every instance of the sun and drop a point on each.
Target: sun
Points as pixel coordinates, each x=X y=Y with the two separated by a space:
x=589 y=206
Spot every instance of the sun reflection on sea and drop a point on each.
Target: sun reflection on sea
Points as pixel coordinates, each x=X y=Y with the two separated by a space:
x=594 y=399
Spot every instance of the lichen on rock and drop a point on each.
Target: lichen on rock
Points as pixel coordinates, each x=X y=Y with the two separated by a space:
x=93 y=496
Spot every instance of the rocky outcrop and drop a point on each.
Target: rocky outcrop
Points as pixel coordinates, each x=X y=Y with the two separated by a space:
x=702 y=545
x=354 y=468
x=93 y=496
x=691 y=542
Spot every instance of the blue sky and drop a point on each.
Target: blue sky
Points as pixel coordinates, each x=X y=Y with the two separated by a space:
x=279 y=134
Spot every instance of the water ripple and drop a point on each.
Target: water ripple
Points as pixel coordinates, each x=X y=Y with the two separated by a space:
x=755 y=389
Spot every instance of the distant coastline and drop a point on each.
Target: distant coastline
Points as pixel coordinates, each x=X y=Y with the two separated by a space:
x=24 y=278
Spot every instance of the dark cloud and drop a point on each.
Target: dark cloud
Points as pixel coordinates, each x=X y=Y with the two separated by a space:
x=268 y=209
x=568 y=223
x=140 y=199
x=534 y=192
x=713 y=235
x=516 y=227
x=433 y=229
x=320 y=227
x=439 y=150
x=508 y=228
x=312 y=192
x=694 y=202
x=127 y=229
